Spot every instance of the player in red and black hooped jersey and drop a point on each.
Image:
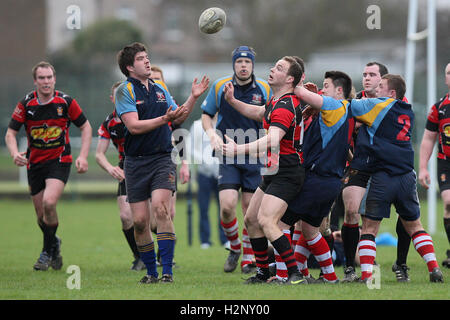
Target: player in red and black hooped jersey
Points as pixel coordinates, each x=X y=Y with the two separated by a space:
x=47 y=127
x=438 y=126
x=113 y=129
x=284 y=174
x=285 y=114
x=46 y=115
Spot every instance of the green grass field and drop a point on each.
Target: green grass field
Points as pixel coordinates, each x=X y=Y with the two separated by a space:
x=93 y=240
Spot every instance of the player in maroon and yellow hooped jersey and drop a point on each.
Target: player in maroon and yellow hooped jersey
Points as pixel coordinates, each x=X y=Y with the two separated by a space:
x=46 y=115
x=438 y=125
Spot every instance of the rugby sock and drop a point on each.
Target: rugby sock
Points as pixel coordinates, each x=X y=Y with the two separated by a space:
x=350 y=238
x=283 y=246
x=129 y=235
x=49 y=236
x=166 y=245
x=41 y=226
x=404 y=241
x=295 y=236
x=367 y=253
x=148 y=256
x=231 y=231
x=447 y=227
x=424 y=246
x=301 y=255
x=319 y=248
x=247 y=256
x=330 y=241
x=282 y=273
x=260 y=247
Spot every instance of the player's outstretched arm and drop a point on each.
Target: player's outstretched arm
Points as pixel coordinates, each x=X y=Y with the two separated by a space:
x=313 y=99
x=248 y=110
x=269 y=141
x=136 y=126
x=81 y=162
x=426 y=149
x=19 y=158
x=197 y=89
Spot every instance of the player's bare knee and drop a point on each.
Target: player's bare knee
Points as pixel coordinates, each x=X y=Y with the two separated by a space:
x=447 y=210
x=162 y=211
x=49 y=205
x=140 y=225
x=227 y=213
x=250 y=220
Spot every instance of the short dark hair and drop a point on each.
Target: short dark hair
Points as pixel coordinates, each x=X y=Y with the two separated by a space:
x=42 y=64
x=397 y=83
x=300 y=62
x=125 y=57
x=340 y=79
x=381 y=67
x=295 y=69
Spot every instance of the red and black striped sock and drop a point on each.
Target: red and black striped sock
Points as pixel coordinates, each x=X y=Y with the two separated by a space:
x=283 y=246
x=260 y=247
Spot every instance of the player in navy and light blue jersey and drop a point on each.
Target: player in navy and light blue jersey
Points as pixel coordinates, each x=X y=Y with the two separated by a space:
x=236 y=173
x=325 y=150
x=146 y=107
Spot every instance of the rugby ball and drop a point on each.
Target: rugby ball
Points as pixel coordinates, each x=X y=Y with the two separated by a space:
x=212 y=20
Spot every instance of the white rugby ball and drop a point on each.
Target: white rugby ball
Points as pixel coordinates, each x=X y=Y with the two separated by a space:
x=212 y=20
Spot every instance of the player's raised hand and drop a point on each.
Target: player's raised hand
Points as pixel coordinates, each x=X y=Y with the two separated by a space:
x=311 y=87
x=198 y=88
x=424 y=178
x=228 y=91
x=20 y=159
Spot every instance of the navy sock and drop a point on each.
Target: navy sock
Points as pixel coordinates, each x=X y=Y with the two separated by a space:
x=166 y=245
x=147 y=254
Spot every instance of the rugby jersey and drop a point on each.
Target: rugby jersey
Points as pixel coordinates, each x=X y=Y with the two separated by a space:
x=113 y=129
x=47 y=126
x=438 y=120
x=385 y=138
x=327 y=139
x=258 y=92
x=286 y=114
x=133 y=96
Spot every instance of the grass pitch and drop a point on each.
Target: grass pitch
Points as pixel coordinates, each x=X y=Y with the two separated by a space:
x=93 y=241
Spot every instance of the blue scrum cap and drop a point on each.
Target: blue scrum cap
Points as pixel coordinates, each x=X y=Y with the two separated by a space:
x=243 y=52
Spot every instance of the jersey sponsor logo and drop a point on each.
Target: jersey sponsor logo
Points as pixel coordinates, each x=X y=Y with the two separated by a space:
x=45 y=133
x=446 y=130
